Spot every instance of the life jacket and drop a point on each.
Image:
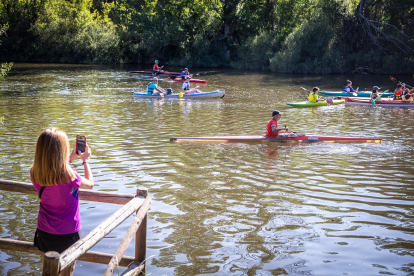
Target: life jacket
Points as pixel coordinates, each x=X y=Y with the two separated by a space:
x=398 y=94
x=155 y=67
x=407 y=98
x=313 y=97
x=186 y=86
x=150 y=90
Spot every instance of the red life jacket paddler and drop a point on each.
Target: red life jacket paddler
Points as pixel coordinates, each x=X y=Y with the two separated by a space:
x=155 y=67
x=269 y=132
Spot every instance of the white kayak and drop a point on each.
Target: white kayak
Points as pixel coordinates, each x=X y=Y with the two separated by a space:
x=200 y=95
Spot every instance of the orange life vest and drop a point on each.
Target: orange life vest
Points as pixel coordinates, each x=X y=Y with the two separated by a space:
x=398 y=94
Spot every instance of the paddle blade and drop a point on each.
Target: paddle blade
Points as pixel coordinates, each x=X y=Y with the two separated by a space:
x=329 y=101
x=162 y=95
x=355 y=94
x=373 y=101
x=393 y=79
x=181 y=94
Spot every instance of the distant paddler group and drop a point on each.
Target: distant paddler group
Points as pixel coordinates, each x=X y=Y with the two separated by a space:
x=155 y=91
x=400 y=96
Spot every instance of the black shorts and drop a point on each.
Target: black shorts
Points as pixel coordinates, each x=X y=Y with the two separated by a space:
x=46 y=242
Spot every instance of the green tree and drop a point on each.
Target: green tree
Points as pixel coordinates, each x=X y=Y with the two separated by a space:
x=4 y=66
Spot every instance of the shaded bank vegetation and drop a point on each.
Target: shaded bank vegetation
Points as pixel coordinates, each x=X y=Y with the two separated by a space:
x=292 y=36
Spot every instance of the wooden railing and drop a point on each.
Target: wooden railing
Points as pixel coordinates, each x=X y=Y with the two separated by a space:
x=54 y=263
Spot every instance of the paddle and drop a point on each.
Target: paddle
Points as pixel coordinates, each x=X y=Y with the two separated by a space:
x=395 y=80
x=328 y=101
x=159 y=70
x=181 y=94
x=374 y=100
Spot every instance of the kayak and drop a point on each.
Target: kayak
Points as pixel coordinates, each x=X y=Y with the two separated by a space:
x=359 y=94
x=202 y=95
x=152 y=73
x=191 y=80
x=384 y=102
x=300 y=138
x=310 y=104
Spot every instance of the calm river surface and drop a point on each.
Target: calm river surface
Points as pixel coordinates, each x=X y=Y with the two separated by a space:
x=220 y=209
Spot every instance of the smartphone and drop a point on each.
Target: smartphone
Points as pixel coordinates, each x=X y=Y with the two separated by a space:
x=80 y=143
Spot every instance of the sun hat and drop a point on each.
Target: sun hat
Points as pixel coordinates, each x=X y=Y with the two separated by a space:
x=376 y=88
x=156 y=60
x=155 y=78
x=185 y=69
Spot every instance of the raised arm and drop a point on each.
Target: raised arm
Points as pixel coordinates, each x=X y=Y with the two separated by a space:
x=87 y=182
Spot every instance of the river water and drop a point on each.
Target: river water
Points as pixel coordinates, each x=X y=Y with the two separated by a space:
x=220 y=209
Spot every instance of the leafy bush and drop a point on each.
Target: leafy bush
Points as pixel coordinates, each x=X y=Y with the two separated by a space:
x=69 y=32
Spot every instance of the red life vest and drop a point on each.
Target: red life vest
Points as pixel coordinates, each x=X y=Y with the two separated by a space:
x=398 y=94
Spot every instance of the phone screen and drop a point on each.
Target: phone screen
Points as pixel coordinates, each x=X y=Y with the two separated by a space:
x=80 y=143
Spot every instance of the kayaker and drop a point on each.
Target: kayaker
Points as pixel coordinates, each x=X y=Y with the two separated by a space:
x=399 y=91
x=375 y=95
x=156 y=69
x=314 y=97
x=185 y=72
x=348 y=88
x=186 y=84
x=272 y=129
x=186 y=87
x=407 y=96
x=153 y=87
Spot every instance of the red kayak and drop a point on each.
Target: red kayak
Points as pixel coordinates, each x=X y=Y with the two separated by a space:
x=383 y=102
x=191 y=80
x=152 y=73
x=300 y=138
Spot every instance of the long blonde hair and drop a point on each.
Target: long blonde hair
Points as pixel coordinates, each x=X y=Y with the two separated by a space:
x=51 y=162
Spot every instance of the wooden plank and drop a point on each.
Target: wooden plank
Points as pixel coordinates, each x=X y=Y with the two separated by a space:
x=142 y=213
x=141 y=234
x=27 y=188
x=51 y=264
x=141 y=242
x=73 y=253
x=90 y=256
x=134 y=269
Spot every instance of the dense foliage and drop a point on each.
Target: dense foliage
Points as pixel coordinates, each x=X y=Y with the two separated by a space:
x=4 y=67
x=299 y=36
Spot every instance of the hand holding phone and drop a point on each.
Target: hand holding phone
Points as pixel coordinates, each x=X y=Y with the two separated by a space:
x=80 y=143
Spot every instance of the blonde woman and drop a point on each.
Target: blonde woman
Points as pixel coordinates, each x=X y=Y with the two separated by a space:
x=58 y=224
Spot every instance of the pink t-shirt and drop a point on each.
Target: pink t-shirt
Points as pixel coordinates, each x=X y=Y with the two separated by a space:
x=59 y=208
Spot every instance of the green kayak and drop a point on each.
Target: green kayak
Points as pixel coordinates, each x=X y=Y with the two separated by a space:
x=308 y=104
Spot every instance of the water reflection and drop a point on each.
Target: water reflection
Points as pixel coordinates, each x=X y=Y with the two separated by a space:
x=221 y=209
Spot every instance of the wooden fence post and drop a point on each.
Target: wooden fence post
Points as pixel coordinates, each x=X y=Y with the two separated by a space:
x=51 y=264
x=141 y=235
